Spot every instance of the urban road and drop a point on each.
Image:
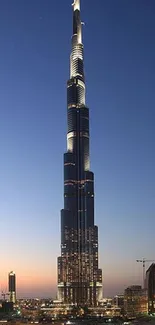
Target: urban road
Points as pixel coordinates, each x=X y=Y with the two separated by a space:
x=141 y=321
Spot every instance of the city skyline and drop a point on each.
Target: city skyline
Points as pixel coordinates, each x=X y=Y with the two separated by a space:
x=120 y=40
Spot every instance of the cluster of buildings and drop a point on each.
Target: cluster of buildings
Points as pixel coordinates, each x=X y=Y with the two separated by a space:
x=11 y=293
x=137 y=300
x=9 y=298
x=79 y=274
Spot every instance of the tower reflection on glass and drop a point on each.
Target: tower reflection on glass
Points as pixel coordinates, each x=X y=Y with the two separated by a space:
x=79 y=278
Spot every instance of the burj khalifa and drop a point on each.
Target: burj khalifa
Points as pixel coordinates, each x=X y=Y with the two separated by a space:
x=79 y=276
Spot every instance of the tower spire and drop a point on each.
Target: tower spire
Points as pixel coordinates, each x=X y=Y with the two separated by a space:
x=77 y=62
x=77 y=25
x=76 y=5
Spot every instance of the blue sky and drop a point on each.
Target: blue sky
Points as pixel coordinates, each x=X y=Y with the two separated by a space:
x=119 y=45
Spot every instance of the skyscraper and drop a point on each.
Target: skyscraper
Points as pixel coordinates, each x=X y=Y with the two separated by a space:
x=79 y=278
x=12 y=286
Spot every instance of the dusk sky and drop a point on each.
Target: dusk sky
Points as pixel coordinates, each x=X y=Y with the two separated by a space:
x=35 y=42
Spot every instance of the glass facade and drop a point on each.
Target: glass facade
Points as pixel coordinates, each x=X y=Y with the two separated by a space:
x=135 y=301
x=79 y=277
x=12 y=286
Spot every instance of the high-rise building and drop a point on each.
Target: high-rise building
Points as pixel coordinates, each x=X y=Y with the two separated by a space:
x=79 y=277
x=150 y=285
x=135 y=301
x=12 y=286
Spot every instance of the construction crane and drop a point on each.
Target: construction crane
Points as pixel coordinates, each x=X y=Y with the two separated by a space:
x=143 y=261
x=4 y=294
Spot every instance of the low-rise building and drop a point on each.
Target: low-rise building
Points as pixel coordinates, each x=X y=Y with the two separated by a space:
x=135 y=301
x=118 y=302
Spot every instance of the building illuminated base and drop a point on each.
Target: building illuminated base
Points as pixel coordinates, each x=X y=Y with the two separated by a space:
x=79 y=278
x=80 y=295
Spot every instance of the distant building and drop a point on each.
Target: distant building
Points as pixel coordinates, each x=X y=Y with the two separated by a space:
x=150 y=285
x=118 y=302
x=135 y=301
x=12 y=286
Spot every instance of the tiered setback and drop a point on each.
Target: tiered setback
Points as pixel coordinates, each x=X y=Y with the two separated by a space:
x=79 y=278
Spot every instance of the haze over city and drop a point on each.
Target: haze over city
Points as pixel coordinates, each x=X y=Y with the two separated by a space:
x=119 y=68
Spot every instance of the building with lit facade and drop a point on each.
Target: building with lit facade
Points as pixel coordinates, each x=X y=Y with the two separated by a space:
x=150 y=285
x=135 y=301
x=118 y=301
x=12 y=286
x=79 y=276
